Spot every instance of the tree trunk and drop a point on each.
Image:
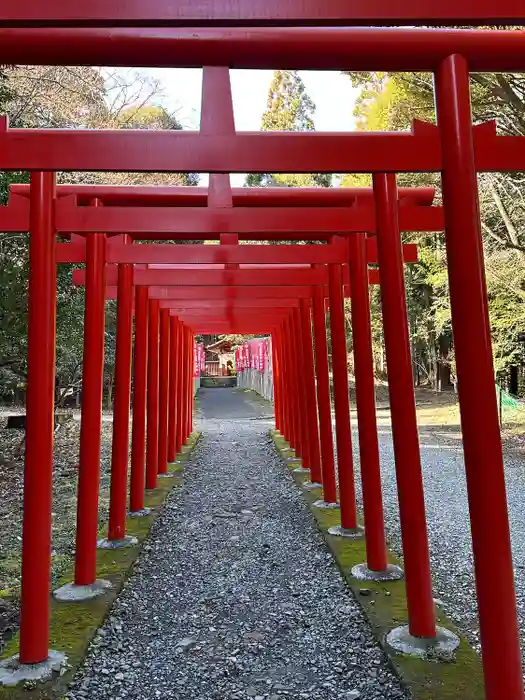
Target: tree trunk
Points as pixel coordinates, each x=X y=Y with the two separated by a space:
x=514 y=380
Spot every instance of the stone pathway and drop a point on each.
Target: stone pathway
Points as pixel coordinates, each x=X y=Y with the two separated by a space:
x=235 y=595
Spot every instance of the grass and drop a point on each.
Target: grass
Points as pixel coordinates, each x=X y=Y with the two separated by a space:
x=438 y=416
x=386 y=608
x=73 y=625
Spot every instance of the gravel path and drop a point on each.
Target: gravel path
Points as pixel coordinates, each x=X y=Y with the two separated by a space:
x=448 y=521
x=235 y=595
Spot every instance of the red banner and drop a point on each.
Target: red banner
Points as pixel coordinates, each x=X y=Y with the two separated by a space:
x=196 y=367
x=198 y=359
x=261 y=356
x=255 y=354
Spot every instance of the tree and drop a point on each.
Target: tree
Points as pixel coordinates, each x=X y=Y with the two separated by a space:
x=383 y=105
x=152 y=118
x=390 y=102
x=289 y=108
x=66 y=97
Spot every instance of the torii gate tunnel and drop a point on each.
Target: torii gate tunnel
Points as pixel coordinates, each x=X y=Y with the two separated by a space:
x=177 y=291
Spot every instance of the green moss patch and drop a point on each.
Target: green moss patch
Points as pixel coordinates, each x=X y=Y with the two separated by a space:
x=73 y=625
x=385 y=608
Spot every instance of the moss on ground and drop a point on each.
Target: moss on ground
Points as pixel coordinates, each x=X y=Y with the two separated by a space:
x=385 y=608
x=73 y=625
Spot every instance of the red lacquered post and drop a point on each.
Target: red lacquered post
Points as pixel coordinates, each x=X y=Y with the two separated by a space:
x=298 y=443
x=420 y=604
x=184 y=384
x=323 y=398
x=283 y=385
x=309 y=387
x=302 y=394
x=120 y=445
x=187 y=390
x=343 y=434
x=294 y=390
x=191 y=381
x=38 y=472
x=286 y=383
x=278 y=370
x=298 y=393
x=477 y=397
x=172 y=399
x=277 y=389
x=180 y=386
x=376 y=552
x=164 y=368
x=153 y=395
x=287 y=376
x=91 y=416
x=140 y=370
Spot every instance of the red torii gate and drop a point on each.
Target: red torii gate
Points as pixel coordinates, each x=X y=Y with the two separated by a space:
x=235 y=254
x=77 y=252
x=455 y=148
x=262 y=12
x=375 y=539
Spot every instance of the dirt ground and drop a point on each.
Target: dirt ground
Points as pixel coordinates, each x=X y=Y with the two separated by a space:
x=65 y=473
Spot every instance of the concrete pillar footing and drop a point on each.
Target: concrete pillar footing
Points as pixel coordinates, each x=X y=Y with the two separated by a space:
x=441 y=647
x=349 y=533
x=311 y=485
x=325 y=505
x=78 y=593
x=392 y=573
x=13 y=672
x=126 y=541
x=140 y=513
x=300 y=470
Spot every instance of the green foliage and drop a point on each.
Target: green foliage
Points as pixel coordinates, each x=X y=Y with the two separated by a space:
x=237 y=338
x=65 y=97
x=150 y=117
x=390 y=102
x=289 y=108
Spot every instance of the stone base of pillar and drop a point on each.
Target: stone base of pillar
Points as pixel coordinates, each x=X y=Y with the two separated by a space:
x=325 y=505
x=75 y=593
x=127 y=541
x=442 y=646
x=349 y=533
x=311 y=485
x=140 y=513
x=392 y=573
x=13 y=672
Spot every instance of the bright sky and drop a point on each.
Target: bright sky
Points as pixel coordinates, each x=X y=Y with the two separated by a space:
x=331 y=92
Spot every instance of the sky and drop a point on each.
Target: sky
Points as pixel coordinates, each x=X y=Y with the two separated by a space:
x=331 y=92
